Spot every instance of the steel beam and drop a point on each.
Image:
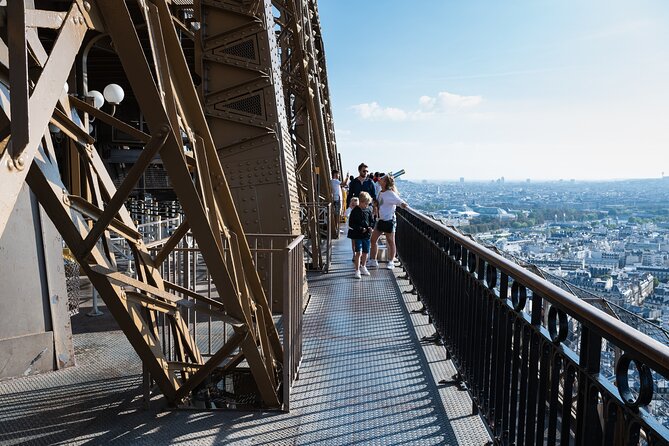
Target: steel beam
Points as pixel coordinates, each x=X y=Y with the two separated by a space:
x=86 y=215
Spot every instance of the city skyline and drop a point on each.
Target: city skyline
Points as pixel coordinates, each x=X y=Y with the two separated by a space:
x=562 y=90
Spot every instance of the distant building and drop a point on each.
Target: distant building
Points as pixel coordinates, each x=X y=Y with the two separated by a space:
x=662 y=273
x=564 y=264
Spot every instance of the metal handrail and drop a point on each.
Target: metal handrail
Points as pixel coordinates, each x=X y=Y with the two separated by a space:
x=283 y=264
x=508 y=333
x=650 y=351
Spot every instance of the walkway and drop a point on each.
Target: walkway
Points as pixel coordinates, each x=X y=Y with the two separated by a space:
x=365 y=379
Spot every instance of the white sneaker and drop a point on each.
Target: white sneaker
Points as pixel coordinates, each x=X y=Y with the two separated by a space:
x=390 y=265
x=373 y=263
x=364 y=271
x=357 y=274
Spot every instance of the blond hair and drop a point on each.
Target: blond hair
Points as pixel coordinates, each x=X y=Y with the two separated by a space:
x=365 y=197
x=390 y=183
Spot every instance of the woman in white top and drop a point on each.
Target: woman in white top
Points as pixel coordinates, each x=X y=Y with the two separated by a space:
x=388 y=200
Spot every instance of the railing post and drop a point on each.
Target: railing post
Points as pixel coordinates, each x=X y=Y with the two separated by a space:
x=588 y=425
x=287 y=328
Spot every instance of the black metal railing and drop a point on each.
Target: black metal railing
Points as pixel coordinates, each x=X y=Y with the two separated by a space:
x=533 y=356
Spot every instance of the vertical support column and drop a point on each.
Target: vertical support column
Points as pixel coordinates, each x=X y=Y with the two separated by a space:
x=18 y=77
x=242 y=96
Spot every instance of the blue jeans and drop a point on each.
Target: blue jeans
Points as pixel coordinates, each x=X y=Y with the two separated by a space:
x=362 y=244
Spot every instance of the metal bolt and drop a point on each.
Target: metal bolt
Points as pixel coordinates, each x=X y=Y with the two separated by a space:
x=87 y=5
x=20 y=163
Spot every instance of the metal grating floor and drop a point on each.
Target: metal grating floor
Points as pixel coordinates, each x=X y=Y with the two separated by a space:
x=365 y=379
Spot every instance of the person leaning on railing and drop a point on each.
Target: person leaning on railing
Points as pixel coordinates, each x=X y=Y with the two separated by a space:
x=388 y=200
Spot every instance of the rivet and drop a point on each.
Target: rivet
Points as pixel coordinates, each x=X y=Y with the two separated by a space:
x=20 y=163
x=87 y=5
x=10 y=164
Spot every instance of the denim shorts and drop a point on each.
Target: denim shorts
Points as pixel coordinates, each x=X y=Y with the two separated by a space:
x=336 y=208
x=362 y=244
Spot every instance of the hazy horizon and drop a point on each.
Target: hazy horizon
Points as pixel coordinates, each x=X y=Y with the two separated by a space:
x=532 y=180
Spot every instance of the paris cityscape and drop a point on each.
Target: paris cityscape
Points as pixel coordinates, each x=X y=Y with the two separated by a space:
x=611 y=238
x=606 y=240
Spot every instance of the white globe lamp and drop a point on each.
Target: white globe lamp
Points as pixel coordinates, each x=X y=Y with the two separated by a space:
x=114 y=94
x=98 y=99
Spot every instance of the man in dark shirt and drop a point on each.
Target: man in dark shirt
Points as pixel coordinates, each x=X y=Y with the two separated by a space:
x=361 y=184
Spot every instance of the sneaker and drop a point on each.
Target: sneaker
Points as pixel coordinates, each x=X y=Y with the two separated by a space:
x=357 y=274
x=364 y=271
x=390 y=265
x=373 y=263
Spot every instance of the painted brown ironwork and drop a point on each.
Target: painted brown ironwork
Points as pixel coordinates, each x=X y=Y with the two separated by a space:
x=236 y=57
x=309 y=116
x=92 y=208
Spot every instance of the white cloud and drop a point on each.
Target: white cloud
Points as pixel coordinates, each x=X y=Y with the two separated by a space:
x=428 y=106
x=446 y=101
x=374 y=112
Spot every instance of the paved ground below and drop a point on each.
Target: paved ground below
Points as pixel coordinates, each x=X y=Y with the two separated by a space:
x=365 y=378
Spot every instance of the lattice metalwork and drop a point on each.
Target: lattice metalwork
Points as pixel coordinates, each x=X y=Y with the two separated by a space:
x=151 y=62
x=73 y=283
x=309 y=114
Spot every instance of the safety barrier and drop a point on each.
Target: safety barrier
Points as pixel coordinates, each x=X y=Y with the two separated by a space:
x=533 y=356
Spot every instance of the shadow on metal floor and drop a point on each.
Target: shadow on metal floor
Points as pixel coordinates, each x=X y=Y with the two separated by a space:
x=365 y=379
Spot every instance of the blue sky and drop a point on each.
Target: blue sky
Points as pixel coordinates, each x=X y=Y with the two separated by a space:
x=483 y=89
